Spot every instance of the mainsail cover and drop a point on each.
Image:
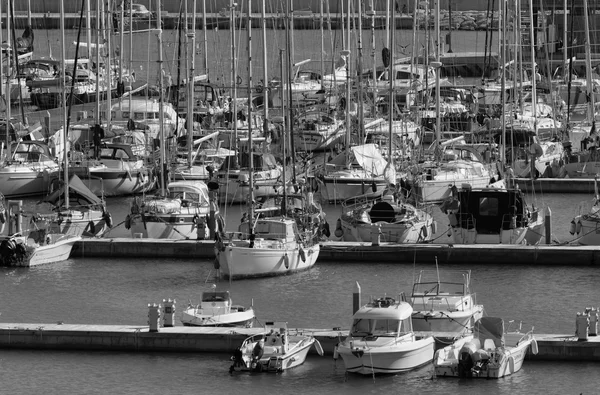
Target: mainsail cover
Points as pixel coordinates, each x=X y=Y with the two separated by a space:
x=77 y=191
x=370 y=159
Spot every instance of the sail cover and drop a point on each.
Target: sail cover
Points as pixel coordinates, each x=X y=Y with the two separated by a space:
x=370 y=159
x=77 y=191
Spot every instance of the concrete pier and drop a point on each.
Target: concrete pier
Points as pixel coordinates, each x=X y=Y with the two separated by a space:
x=556 y=185
x=479 y=254
x=138 y=338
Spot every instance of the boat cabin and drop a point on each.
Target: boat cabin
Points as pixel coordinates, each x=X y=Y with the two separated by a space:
x=191 y=193
x=30 y=151
x=382 y=317
x=448 y=290
x=271 y=229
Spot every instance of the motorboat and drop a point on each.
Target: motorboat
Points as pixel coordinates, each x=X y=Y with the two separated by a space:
x=275 y=350
x=182 y=211
x=585 y=225
x=358 y=172
x=27 y=169
x=317 y=131
x=444 y=302
x=273 y=246
x=459 y=164
x=382 y=340
x=234 y=177
x=491 y=353
x=493 y=215
x=117 y=171
x=217 y=309
x=32 y=247
x=393 y=220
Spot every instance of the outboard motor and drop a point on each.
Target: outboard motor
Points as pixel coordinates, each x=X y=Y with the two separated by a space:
x=465 y=364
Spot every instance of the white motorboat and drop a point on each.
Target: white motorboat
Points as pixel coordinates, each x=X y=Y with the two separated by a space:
x=587 y=225
x=492 y=216
x=394 y=221
x=460 y=165
x=27 y=251
x=217 y=309
x=27 y=169
x=181 y=213
x=382 y=340
x=275 y=350
x=443 y=302
x=274 y=246
x=491 y=353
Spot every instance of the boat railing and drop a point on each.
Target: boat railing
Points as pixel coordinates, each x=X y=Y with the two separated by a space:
x=466 y=220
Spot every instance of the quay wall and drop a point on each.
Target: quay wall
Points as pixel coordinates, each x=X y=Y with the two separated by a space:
x=551 y=347
x=358 y=252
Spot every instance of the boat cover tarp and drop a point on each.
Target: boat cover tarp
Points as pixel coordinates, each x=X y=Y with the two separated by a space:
x=370 y=159
x=490 y=328
x=77 y=190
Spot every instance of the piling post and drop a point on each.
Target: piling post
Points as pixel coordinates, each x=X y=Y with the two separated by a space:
x=168 y=313
x=548 y=225
x=356 y=303
x=153 y=317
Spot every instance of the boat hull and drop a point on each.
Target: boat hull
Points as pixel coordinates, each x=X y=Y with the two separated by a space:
x=417 y=232
x=243 y=262
x=334 y=189
x=168 y=226
x=24 y=181
x=116 y=182
x=436 y=191
x=390 y=359
x=193 y=317
x=58 y=249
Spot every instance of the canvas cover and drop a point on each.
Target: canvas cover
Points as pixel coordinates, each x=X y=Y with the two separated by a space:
x=490 y=328
x=370 y=159
x=77 y=191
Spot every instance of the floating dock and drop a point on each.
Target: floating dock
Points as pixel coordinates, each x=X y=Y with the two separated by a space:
x=479 y=254
x=138 y=338
x=556 y=185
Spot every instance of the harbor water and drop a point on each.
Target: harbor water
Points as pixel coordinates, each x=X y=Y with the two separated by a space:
x=117 y=291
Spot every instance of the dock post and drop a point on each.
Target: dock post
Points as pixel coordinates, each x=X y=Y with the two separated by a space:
x=375 y=234
x=582 y=323
x=14 y=216
x=153 y=317
x=548 y=225
x=593 y=322
x=168 y=313
x=356 y=303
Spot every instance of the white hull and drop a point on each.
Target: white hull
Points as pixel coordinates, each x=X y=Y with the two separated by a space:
x=336 y=189
x=193 y=317
x=244 y=262
x=589 y=229
x=530 y=235
x=317 y=141
x=234 y=192
x=22 y=181
x=417 y=232
x=276 y=357
x=435 y=191
x=391 y=358
x=167 y=226
x=58 y=250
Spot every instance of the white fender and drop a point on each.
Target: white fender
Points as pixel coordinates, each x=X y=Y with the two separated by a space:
x=319 y=348
x=534 y=346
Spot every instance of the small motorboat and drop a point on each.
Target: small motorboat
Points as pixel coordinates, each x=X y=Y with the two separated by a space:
x=490 y=353
x=382 y=340
x=216 y=309
x=275 y=350
x=28 y=251
x=443 y=302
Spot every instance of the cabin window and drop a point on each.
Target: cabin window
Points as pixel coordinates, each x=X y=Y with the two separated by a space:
x=138 y=116
x=488 y=206
x=383 y=327
x=121 y=154
x=362 y=327
x=125 y=114
x=106 y=153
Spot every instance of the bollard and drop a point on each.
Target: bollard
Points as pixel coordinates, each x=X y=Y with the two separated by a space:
x=581 y=326
x=593 y=314
x=375 y=234
x=356 y=302
x=153 y=317
x=168 y=313
x=548 y=225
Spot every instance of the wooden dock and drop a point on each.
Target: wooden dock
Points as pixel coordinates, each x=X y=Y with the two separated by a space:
x=138 y=338
x=480 y=254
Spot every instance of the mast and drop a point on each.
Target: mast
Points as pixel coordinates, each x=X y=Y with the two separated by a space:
x=438 y=124
x=391 y=81
x=265 y=69
x=348 y=87
x=250 y=143
x=288 y=127
x=161 y=115
x=322 y=41
x=8 y=154
x=190 y=98
x=232 y=6
x=64 y=108
x=502 y=46
x=564 y=46
x=290 y=43
x=204 y=35
x=588 y=64
x=359 y=77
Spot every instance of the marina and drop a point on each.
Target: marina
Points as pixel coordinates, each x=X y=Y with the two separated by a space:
x=388 y=210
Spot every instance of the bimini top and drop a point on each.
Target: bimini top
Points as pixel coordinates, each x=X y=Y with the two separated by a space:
x=384 y=308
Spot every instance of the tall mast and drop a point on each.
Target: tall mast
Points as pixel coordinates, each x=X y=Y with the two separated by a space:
x=232 y=6
x=250 y=143
x=265 y=69
x=438 y=124
x=588 y=63
x=360 y=69
x=64 y=107
x=204 y=35
x=161 y=115
x=391 y=87
x=564 y=46
x=322 y=41
x=7 y=98
x=190 y=81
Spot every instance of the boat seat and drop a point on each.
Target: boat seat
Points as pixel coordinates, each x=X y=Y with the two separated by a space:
x=489 y=344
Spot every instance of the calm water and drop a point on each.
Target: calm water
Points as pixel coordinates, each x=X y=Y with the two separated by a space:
x=101 y=291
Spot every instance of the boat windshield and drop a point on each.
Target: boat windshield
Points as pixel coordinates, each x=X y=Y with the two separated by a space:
x=380 y=327
x=439 y=288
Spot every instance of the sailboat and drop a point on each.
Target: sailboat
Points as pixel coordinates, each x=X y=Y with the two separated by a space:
x=268 y=246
